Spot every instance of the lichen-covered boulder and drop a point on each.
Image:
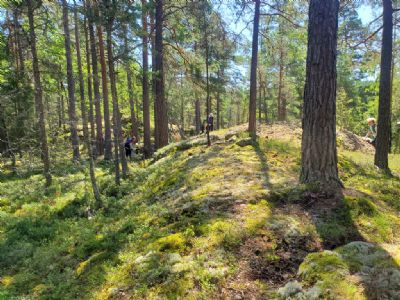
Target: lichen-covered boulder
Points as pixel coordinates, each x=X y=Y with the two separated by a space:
x=358 y=270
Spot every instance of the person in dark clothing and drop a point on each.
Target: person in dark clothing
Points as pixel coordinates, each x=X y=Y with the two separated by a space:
x=210 y=122
x=128 y=147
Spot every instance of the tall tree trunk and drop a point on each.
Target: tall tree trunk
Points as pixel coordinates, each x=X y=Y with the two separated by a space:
x=104 y=85
x=208 y=102
x=281 y=97
x=119 y=142
x=96 y=82
x=384 y=114
x=18 y=33
x=197 y=116
x=259 y=97
x=89 y=88
x=86 y=136
x=218 y=98
x=145 y=84
x=39 y=96
x=131 y=94
x=153 y=72
x=159 y=78
x=253 y=72
x=319 y=153
x=71 y=85
x=62 y=105
x=265 y=106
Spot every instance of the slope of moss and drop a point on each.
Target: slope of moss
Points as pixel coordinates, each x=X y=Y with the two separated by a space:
x=199 y=222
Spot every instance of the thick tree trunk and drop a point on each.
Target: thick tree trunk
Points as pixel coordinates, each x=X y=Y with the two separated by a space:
x=86 y=136
x=89 y=88
x=319 y=154
x=162 y=116
x=104 y=85
x=131 y=94
x=253 y=72
x=96 y=83
x=119 y=142
x=71 y=85
x=145 y=84
x=39 y=96
x=384 y=114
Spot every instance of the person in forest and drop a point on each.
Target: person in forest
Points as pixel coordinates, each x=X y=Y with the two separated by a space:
x=210 y=122
x=128 y=147
x=371 y=134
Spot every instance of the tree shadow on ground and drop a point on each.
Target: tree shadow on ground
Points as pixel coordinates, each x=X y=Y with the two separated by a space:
x=333 y=220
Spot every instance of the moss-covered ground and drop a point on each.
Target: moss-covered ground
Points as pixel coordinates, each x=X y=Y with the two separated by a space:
x=227 y=222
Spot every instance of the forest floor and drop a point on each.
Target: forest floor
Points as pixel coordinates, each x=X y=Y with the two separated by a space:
x=228 y=221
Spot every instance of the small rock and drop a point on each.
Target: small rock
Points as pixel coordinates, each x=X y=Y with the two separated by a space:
x=230 y=135
x=245 y=142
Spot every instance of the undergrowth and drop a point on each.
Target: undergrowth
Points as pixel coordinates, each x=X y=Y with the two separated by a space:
x=185 y=225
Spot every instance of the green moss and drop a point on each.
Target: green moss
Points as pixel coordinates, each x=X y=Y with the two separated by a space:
x=180 y=224
x=172 y=242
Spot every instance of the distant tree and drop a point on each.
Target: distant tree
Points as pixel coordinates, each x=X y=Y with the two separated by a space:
x=96 y=81
x=86 y=134
x=89 y=85
x=38 y=93
x=104 y=85
x=131 y=94
x=71 y=84
x=318 y=152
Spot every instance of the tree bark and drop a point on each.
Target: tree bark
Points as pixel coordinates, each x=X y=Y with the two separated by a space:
x=208 y=102
x=89 y=86
x=253 y=72
x=119 y=142
x=39 y=96
x=71 y=85
x=384 y=113
x=197 y=116
x=96 y=83
x=131 y=94
x=86 y=136
x=319 y=153
x=104 y=85
x=259 y=97
x=145 y=84
x=218 y=98
x=159 y=78
x=281 y=97
x=265 y=106
x=153 y=72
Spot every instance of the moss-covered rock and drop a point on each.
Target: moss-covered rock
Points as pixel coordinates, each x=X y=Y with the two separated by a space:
x=354 y=271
